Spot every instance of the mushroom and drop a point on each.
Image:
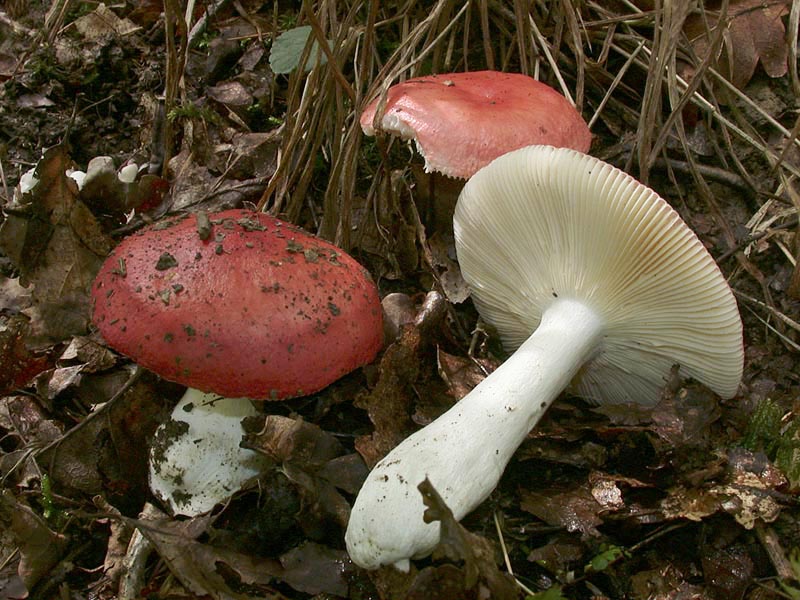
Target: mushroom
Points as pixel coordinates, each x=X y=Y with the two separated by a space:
x=236 y=305
x=597 y=285
x=462 y=121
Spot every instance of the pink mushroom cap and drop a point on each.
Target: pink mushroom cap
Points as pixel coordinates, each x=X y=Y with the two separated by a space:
x=463 y=121
x=259 y=309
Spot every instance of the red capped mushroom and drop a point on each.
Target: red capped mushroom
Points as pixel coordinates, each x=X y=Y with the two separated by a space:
x=237 y=305
x=258 y=308
x=460 y=122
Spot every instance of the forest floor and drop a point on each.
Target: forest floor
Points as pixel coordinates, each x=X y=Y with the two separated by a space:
x=697 y=497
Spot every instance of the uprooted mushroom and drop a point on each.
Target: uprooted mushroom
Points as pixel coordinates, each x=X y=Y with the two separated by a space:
x=597 y=285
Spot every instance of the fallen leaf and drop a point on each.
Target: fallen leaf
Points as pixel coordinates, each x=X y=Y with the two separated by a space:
x=285 y=440
x=683 y=418
x=755 y=33
x=442 y=248
x=561 y=551
x=664 y=583
x=18 y=364
x=225 y=574
x=389 y=402
x=25 y=425
x=58 y=246
x=107 y=452
x=728 y=572
x=746 y=494
x=102 y=22
x=461 y=373
x=575 y=509
x=316 y=569
x=40 y=547
x=312 y=460
x=480 y=573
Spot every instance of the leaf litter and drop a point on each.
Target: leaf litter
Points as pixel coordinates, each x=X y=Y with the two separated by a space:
x=692 y=498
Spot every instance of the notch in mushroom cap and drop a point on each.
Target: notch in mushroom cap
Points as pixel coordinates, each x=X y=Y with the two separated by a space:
x=239 y=305
x=462 y=121
x=595 y=282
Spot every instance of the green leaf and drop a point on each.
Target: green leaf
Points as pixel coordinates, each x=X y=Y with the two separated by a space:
x=288 y=48
x=787 y=455
x=606 y=558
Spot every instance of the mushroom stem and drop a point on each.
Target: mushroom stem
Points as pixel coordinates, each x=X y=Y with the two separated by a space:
x=465 y=451
x=196 y=461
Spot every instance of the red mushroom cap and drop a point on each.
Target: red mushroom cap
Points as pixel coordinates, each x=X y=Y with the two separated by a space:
x=463 y=121
x=259 y=309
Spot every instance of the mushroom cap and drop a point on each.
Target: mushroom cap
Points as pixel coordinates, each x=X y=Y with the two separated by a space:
x=259 y=309
x=543 y=223
x=462 y=121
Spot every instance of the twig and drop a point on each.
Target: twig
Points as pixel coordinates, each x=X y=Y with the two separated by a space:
x=91 y=417
x=772 y=546
x=714 y=173
x=139 y=550
x=506 y=558
x=754 y=238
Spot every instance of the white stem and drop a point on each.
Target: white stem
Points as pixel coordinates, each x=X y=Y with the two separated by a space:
x=195 y=459
x=464 y=452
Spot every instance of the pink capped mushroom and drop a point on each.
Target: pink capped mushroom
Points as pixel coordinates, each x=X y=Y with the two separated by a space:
x=460 y=122
x=235 y=305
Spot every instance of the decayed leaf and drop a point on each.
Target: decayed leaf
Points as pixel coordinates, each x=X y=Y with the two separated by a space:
x=224 y=574
x=58 y=246
x=480 y=577
x=462 y=374
x=755 y=32
x=561 y=551
x=389 y=402
x=108 y=454
x=18 y=364
x=576 y=510
x=728 y=571
x=746 y=494
x=683 y=418
x=40 y=547
x=663 y=583
x=312 y=460
x=25 y=425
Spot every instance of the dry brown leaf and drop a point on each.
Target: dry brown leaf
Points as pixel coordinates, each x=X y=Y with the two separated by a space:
x=40 y=547
x=287 y=440
x=755 y=33
x=58 y=246
x=108 y=455
x=479 y=578
x=389 y=402
x=576 y=509
x=312 y=460
x=746 y=494
x=461 y=373
x=18 y=364
x=225 y=574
